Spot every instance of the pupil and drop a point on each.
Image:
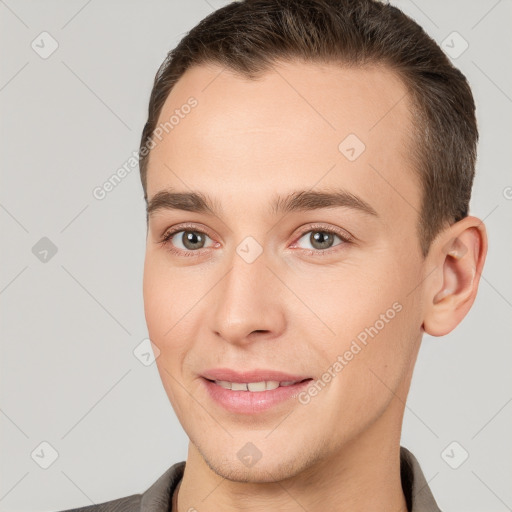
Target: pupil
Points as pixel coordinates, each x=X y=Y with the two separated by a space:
x=322 y=239
x=192 y=239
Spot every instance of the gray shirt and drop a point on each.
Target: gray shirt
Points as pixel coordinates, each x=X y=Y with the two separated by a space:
x=158 y=497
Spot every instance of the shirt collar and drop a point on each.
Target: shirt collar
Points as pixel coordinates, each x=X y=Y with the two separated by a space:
x=418 y=495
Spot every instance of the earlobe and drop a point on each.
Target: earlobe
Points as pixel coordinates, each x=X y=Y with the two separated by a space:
x=460 y=254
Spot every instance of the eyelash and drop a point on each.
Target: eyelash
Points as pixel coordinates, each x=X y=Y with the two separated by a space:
x=345 y=238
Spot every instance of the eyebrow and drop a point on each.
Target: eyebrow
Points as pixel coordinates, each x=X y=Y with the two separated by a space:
x=299 y=200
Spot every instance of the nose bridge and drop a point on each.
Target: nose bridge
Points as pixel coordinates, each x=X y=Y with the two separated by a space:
x=247 y=299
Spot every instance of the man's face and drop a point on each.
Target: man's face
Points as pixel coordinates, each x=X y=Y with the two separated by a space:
x=254 y=289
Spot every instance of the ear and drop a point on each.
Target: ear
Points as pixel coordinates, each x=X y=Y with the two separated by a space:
x=458 y=255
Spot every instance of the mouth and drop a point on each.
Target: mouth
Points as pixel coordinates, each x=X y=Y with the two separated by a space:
x=256 y=387
x=250 y=395
x=251 y=376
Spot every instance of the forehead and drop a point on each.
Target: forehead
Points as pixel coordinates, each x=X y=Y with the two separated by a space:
x=299 y=125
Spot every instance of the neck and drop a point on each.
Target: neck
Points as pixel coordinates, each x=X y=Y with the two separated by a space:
x=362 y=475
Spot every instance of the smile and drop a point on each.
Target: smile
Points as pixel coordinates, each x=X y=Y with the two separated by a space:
x=254 y=386
x=249 y=398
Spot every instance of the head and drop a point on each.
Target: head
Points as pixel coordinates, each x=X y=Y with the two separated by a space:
x=272 y=123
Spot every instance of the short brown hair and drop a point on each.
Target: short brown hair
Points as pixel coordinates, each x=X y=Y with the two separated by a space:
x=249 y=36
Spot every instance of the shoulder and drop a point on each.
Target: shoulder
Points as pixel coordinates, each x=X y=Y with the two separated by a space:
x=156 y=498
x=127 y=504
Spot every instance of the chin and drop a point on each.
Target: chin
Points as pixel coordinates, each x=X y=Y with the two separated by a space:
x=279 y=466
x=262 y=472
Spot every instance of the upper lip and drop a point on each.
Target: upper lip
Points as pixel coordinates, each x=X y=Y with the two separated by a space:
x=229 y=375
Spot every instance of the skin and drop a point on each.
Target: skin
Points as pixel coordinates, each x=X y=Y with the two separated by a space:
x=291 y=310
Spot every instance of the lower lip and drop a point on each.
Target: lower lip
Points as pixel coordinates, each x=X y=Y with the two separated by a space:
x=252 y=402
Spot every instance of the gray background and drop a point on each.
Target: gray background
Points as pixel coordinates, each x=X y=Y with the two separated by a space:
x=70 y=324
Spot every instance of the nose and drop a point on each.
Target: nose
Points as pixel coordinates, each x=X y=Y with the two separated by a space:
x=249 y=303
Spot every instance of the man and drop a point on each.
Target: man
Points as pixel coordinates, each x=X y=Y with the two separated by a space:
x=307 y=168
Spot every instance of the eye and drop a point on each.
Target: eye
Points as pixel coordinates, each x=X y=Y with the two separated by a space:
x=185 y=242
x=321 y=239
x=189 y=242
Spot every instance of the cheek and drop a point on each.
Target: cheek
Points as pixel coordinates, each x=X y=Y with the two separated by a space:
x=164 y=295
x=367 y=316
x=346 y=300
x=164 y=306
x=166 y=302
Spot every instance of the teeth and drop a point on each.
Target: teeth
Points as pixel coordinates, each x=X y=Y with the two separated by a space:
x=253 y=386
x=257 y=386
